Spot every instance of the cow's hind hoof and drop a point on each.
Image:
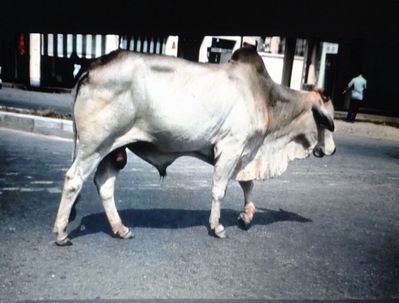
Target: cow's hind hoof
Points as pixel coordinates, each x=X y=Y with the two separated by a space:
x=244 y=225
x=128 y=234
x=220 y=232
x=244 y=222
x=63 y=242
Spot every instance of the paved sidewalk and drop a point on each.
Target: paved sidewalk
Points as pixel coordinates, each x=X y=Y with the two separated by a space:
x=23 y=109
x=21 y=98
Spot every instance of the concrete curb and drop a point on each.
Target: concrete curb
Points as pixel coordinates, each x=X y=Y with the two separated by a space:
x=35 y=124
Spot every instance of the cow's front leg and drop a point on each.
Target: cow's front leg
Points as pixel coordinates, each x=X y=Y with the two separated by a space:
x=223 y=171
x=218 y=192
x=104 y=179
x=246 y=216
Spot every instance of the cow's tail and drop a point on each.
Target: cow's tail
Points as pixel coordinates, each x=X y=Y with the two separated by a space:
x=75 y=93
x=75 y=135
x=75 y=139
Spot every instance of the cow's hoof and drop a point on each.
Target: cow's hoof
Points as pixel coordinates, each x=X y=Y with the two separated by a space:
x=63 y=242
x=244 y=222
x=128 y=234
x=219 y=232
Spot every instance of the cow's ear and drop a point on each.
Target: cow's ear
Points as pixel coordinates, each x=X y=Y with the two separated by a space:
x=322 y=118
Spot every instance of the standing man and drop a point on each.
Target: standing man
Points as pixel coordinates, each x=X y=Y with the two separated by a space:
x=357 y=85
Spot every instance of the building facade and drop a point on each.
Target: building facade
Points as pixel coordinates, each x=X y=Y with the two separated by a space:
x=53 y=61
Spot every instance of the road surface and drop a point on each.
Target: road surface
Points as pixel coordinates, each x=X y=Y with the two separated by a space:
x=326 y=229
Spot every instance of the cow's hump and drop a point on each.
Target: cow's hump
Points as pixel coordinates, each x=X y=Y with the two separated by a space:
x=249 y=55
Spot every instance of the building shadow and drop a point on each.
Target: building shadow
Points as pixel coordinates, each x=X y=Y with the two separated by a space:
x=177 y=218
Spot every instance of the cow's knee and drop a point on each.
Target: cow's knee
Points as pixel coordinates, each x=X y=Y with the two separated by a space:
x=73 y=186
x=218 y=193
x=217 y=229
x=73 y=182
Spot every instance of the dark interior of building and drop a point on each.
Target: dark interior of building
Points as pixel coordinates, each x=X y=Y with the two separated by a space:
x=365 y=31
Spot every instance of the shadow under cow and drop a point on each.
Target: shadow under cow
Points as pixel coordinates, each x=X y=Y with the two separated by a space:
x=177 y=218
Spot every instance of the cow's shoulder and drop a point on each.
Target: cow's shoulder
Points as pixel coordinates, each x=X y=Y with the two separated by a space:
x=250 y=56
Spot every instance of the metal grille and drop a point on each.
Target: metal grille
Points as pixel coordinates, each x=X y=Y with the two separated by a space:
x=93 y=46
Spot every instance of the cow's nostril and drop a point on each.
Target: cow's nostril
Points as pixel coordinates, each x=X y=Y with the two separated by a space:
x=335 y=149
x=318 y=152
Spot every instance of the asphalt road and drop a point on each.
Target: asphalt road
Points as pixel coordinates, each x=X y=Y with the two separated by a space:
x=326 y=229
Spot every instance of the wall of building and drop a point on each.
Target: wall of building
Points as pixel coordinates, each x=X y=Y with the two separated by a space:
x=274 y=65
x=375 y=57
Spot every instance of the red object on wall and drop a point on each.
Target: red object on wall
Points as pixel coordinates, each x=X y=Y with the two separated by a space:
x=21 y=44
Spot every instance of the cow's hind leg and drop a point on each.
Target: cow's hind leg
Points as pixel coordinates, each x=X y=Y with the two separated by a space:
x=104 y=179
x=80 y=169
x=246 y=216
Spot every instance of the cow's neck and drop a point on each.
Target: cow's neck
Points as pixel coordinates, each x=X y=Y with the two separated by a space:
x=285 y=106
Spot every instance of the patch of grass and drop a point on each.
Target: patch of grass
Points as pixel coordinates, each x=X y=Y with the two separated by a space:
x=48 y=112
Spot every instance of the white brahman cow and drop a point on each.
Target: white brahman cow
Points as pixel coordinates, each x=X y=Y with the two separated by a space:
x=231 y=115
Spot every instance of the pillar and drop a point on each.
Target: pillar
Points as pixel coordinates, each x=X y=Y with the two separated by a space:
x=289 y=53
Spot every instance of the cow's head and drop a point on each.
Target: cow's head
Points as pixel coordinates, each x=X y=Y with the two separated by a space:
x=298 y=130
x=323 y=113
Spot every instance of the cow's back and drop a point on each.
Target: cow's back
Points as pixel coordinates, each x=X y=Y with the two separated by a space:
x=170 y=101
x=174 y=101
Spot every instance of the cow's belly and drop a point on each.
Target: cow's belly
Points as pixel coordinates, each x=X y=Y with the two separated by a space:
x=181 y=140
x=161 y=159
